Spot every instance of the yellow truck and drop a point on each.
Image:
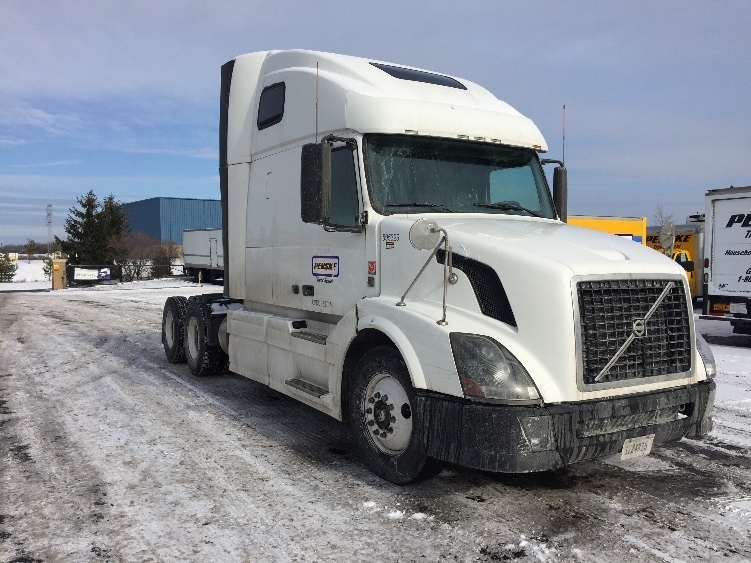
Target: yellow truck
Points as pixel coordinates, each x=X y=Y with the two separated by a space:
x=688 y=250
x=634 y=228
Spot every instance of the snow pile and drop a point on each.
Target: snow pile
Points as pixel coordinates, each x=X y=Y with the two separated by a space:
x=395 y=513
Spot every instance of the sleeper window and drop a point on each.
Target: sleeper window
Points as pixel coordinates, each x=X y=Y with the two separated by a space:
x=271 y=105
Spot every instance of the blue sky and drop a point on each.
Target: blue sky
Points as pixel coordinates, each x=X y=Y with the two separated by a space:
x=122 y=97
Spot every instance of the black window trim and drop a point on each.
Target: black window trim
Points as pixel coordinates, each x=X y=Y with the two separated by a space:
x=351 y=144
x=273 y=120
x=414 y=75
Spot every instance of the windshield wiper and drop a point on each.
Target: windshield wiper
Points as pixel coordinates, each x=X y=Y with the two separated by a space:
x=421 y=204
x=509 y=206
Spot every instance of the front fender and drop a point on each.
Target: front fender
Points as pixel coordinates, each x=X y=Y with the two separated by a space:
x=429 y=358
x=402 y=343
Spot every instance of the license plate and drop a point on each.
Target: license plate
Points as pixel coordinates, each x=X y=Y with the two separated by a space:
x=636 y=447
x=738 y=308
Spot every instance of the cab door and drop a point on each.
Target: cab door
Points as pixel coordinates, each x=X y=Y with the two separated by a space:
x=333 y=264
x=323 y=268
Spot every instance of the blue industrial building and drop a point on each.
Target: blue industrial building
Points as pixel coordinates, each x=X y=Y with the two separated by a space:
x=164 y=218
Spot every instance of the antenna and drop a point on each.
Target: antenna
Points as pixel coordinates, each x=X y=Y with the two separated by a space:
x=563 y=151
x=316 y=101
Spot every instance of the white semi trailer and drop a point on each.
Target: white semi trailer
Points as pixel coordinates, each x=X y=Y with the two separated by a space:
x=393 y=258
x=203 y=254
x=727 y=266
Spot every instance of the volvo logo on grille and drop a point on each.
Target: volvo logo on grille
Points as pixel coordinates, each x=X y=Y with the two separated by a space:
x=640 y=328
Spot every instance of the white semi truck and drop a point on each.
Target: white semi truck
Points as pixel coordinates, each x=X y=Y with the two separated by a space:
x=393 y=258
x=727 y=251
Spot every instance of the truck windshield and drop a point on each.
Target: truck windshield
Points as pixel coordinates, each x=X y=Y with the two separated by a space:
x=412 y=174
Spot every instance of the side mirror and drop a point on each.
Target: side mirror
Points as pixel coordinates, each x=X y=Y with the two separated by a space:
x=315 y=183
x=688 y=266
x=560 y=192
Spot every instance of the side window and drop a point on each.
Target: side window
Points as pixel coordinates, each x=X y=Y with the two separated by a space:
x=515 y=185
x=271 y=105
x=345 y=204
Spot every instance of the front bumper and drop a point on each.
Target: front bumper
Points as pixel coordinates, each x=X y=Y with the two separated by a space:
x=523 y=439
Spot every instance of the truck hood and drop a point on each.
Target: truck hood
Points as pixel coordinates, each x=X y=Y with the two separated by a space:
x=582 y=251
x=538 y=262
x=503 y=241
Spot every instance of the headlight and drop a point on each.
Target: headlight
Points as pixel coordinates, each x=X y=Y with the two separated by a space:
x=487 y=370
x=707 y=356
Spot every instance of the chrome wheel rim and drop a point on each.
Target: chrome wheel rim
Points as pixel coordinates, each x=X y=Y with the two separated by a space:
x=388 y=414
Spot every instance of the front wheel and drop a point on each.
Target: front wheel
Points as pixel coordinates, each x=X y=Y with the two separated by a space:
x=384 y=419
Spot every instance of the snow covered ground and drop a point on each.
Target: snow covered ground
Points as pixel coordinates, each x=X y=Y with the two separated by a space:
x=29 y=277
x=733 y=410
x=111 y=453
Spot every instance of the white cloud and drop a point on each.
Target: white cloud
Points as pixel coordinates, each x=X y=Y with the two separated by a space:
x=26 y=116
x=204 y=152
x=49 y=164
x=7 y=143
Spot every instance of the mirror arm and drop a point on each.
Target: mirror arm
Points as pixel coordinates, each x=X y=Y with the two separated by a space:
x=331 y=139
x=432 y=254
x=449 y=277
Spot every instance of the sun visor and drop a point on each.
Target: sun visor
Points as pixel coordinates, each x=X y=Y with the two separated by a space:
x=374 y=114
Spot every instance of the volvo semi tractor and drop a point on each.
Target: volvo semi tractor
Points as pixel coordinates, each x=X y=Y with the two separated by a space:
x=727 y=263
x=394 y=257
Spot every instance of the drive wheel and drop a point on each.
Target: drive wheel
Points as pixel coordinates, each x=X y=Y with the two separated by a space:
x=202 y=358
x=173 y=321
x=383 y=415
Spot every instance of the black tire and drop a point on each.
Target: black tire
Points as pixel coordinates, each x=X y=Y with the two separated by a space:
x=173 y=321
x=202 y=358
x=388 y=430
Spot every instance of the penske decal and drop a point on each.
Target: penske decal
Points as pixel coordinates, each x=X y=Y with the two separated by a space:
x=325 y=266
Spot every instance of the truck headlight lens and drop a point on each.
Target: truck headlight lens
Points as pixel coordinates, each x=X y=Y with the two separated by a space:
x=707 y=356
x=487 y=370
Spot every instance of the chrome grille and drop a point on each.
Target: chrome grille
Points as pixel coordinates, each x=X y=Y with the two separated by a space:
x=608 y=310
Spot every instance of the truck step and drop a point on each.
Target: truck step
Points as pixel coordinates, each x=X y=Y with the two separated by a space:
x=311 y=336
x=307 y=388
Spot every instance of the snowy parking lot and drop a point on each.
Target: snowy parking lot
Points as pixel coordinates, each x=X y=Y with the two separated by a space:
x=112 y=454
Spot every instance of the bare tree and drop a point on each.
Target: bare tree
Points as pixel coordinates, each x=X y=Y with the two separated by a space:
x=661 y=216
x=166 y=255
x=136 y=253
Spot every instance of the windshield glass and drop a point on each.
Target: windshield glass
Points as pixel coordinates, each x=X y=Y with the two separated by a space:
x=409 y=174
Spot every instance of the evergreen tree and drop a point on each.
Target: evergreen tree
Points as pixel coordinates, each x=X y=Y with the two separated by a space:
x=47 y=267
x=92 y=227
x=7 y=268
